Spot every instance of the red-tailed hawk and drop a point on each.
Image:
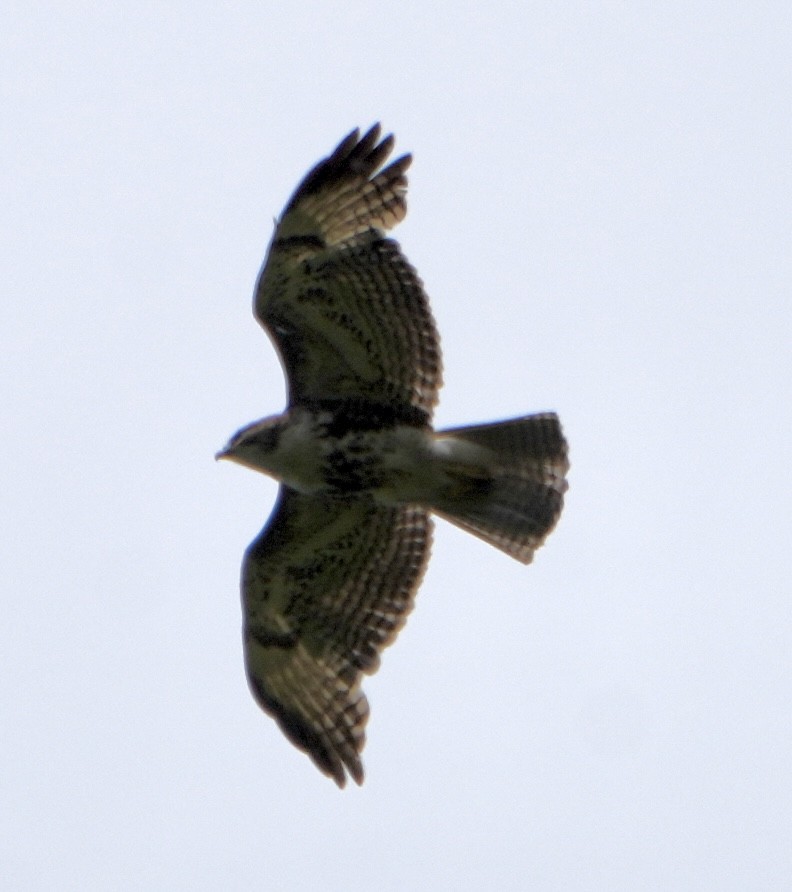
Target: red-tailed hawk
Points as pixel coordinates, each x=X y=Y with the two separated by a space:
x=330 y=580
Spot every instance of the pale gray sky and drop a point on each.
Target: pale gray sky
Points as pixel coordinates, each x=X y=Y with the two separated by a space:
x=600 y=210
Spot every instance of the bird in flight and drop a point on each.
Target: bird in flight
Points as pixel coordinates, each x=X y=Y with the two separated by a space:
x=330 y=580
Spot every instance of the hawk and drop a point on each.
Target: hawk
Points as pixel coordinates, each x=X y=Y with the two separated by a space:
x=331 y=578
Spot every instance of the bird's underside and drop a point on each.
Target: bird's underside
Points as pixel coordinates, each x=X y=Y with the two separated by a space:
x=331 y=578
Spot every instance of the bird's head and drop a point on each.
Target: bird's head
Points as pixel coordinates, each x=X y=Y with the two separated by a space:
x=252 y=444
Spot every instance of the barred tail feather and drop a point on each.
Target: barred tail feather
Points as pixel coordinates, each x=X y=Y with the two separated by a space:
x=512 y=494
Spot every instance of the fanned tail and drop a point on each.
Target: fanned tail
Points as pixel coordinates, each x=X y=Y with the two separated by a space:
x=508 y=489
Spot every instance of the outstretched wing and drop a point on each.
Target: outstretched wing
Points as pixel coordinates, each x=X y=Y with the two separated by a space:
x=326 y=586
x=345 y=309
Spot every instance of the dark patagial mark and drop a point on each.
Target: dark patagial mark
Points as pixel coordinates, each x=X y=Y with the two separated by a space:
x=283 y=640
x=314 y=242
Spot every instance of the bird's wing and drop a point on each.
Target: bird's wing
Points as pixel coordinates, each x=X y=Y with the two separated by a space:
x=326 y=586
x=345 y=309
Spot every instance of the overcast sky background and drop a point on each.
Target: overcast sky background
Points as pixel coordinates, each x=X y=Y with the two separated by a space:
x=600 y=209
